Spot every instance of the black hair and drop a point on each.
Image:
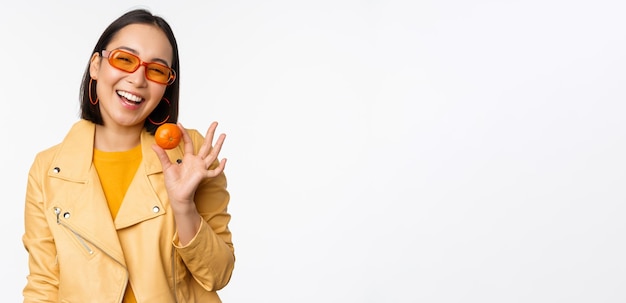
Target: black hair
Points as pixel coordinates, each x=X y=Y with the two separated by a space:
x=92 y=112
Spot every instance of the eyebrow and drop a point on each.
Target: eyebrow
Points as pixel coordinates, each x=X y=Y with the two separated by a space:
x=136 y=53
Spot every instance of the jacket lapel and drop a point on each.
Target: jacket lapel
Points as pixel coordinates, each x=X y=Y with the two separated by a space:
x=142 y=201
x=84 y=200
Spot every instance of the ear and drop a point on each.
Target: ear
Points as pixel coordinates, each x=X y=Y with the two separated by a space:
x=94 y=65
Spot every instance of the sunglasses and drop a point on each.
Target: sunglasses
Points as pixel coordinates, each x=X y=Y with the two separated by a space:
x=129 y=63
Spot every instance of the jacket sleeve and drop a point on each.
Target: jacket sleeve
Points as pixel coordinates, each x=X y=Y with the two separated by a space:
x=43 y=278
x=209 y=256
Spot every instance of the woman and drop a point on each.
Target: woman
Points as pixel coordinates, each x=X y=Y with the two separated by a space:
x=112 y=217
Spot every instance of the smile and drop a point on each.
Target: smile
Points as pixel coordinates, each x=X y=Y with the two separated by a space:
x=130 y=97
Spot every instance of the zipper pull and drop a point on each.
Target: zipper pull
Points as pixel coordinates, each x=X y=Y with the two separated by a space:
x=57 y=211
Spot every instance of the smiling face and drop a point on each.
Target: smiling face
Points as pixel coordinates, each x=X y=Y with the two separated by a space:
x=126 y=99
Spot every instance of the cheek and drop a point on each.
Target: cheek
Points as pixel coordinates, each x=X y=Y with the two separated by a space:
x=108 y=76
x=157 y=93
x=100 y=84
x=157 y=99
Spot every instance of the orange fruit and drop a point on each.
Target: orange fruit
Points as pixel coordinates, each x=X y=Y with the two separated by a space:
x=168 y=135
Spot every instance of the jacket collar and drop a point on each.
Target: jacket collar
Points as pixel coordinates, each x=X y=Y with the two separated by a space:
x=75 y=155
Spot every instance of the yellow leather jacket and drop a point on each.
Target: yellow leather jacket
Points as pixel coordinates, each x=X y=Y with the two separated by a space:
x=78 y=253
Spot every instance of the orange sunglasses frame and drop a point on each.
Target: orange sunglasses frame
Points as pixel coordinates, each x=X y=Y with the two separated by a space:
x=107 y=54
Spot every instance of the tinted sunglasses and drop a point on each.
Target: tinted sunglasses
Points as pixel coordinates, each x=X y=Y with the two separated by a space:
x=129 y=63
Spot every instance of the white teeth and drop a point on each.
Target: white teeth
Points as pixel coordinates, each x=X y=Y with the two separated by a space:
x=129 y=96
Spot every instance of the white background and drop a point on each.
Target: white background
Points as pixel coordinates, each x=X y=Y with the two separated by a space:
x=379 y=151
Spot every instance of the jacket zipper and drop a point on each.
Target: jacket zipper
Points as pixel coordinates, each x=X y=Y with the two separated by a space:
x=174 y=274
x=83 y=242
x=57 y=211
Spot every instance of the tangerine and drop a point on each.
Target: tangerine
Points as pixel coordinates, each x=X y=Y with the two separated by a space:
x=168 y=135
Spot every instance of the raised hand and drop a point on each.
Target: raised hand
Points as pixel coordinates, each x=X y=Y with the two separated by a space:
x=183 y=177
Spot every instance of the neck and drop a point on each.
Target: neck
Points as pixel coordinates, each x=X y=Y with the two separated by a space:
x=117 y=139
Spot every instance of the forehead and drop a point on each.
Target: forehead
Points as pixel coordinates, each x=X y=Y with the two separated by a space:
x=146 y=40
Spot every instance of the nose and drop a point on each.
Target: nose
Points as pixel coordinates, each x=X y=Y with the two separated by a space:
x=138 y=77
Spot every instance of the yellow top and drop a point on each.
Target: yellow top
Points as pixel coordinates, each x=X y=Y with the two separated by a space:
x=116 y=171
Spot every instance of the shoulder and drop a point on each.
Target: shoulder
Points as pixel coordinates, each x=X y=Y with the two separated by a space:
x=46 y=155
x=50 y=151
x=79 y=132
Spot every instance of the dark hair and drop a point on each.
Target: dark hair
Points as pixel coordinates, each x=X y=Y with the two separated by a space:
x=139 y=16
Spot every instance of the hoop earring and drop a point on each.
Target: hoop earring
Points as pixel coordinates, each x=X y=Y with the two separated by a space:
x=91 y=99
x=166 y=118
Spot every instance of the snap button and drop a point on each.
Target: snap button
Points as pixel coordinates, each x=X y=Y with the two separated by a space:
x=56 y=170
x=155 y=209
x=66 y=215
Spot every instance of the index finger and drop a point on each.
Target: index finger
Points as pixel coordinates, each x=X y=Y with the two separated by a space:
x=187 y=144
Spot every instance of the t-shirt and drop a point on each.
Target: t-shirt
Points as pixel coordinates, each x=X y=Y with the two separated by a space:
x=116 y=171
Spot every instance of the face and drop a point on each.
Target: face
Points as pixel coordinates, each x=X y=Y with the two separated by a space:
x=126 y=99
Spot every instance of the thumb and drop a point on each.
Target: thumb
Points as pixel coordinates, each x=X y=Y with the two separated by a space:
x=162 y=155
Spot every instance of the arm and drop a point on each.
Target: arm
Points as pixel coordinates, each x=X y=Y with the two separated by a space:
x=209 y=255
x=43 y=278
x=197 y=191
